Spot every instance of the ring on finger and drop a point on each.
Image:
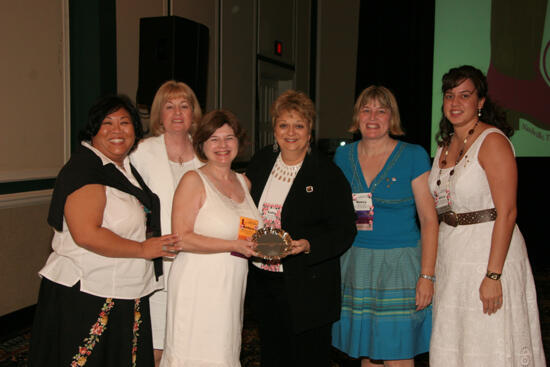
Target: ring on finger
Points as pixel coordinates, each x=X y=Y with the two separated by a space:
x=164 y=248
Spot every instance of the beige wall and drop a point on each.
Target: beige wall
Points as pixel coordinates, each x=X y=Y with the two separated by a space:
x=128 y=13
x=238 y=63
x=25 y=245
x=34 y=139
x=32 y=89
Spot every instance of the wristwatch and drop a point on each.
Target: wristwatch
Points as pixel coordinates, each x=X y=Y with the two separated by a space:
x=494 y=276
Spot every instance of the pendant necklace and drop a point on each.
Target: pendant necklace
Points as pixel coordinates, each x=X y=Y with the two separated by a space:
x=444 y=163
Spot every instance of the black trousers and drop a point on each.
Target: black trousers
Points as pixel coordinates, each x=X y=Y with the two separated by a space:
x=280 y=346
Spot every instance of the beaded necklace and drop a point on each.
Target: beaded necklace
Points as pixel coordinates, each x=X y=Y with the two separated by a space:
x=284 y=172
x=444 y=163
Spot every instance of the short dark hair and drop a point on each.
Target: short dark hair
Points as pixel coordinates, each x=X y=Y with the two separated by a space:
x=105 y=106
x=211 y=122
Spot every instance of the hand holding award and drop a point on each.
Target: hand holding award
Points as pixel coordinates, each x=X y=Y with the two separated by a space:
x=273 y=243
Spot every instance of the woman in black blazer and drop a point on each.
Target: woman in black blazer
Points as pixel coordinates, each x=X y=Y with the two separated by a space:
x=298 y=189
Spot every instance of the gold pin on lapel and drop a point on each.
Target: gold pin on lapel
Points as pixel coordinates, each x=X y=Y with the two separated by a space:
x=309 y=189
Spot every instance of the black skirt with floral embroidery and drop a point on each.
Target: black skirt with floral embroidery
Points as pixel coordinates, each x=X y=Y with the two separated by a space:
x=73 y=328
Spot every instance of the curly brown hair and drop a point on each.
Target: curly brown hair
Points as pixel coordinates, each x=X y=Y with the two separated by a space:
x=491 y=113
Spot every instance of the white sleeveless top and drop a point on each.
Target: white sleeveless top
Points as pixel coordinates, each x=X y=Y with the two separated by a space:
x=469 y=187
x=219 y=216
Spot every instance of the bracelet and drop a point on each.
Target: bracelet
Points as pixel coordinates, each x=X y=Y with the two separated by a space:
x=491 y=275
x=426 y=276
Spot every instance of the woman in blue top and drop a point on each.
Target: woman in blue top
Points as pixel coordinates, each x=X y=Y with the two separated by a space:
x=388 y=273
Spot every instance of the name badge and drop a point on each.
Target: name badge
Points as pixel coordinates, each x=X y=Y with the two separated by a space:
x=442 y=201
x=364 y=209
x=247 y=228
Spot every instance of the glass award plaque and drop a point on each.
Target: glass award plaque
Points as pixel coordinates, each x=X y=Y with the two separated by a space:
x=273 y=243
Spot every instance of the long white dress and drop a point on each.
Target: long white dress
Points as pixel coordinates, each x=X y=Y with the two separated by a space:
x=462 y=335
x=206 y=291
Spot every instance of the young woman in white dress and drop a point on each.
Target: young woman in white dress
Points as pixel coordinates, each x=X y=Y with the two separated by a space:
x=485 y=307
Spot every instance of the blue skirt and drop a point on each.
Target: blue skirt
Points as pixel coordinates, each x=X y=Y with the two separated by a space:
x=379 y=318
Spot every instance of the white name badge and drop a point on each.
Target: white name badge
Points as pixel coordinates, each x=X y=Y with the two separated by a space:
x=442 y=203
x=364 y=208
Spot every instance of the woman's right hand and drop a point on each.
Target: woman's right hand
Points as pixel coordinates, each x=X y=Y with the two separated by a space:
x=424 y=293
x=163 y=246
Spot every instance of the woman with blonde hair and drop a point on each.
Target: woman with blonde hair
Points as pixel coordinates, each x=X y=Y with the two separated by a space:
x=388 y=273
x=162 y=160
x=301 y=191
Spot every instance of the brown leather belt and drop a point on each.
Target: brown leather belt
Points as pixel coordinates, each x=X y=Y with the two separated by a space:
x=460 y=219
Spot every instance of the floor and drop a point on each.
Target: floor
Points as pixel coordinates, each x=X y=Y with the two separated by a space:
x=14 y=348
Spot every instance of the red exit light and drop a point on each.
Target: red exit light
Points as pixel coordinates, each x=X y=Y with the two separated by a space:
x=278 y=48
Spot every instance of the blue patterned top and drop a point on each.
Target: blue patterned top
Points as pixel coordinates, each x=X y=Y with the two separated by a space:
x=394 y=224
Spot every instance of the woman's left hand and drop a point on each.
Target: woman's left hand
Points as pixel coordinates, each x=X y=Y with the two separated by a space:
x=424 y=293
x=490 y=293
x=299 y=246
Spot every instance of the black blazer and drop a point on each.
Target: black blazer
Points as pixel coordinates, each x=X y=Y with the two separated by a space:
x=319 y=208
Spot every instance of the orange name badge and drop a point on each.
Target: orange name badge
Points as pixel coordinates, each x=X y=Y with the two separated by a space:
x=247 y=227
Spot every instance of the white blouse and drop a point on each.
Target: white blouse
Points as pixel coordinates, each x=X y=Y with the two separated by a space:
x=271 y=203
x=123 y=278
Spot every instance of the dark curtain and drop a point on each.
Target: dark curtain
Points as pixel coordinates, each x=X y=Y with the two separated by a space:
x=93 y=57
x=395 y=49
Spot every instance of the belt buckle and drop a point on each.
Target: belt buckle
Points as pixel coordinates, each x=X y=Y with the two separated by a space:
x=450 y=218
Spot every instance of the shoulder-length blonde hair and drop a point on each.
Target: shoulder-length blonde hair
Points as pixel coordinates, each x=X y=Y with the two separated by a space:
x=169 y=90
x=386 y=99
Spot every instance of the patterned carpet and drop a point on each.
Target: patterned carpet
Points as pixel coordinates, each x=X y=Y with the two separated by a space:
x=14 y=348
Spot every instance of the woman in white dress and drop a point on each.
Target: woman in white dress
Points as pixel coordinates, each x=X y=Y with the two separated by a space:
x=162 y=160
x=207 y=281
x=485 y=307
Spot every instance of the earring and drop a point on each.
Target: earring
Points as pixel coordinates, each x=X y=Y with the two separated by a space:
x=309 y=149
x=275 y=147
x=479 y=112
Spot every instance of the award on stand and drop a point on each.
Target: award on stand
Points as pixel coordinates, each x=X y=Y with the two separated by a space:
x=273 y=243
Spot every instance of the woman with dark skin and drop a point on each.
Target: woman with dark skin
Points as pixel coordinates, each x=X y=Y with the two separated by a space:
x=93 y=306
